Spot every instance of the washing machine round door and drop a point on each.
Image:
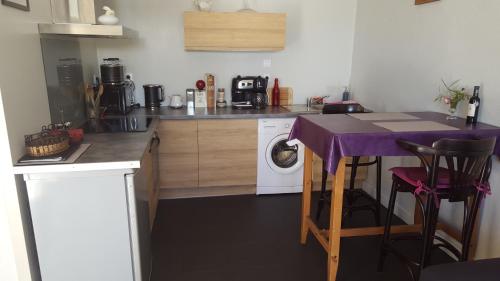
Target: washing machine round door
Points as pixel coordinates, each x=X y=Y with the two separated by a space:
x=282 y=158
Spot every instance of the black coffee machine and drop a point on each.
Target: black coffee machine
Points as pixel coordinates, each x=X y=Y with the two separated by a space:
x=116 y=90
x=249 y=92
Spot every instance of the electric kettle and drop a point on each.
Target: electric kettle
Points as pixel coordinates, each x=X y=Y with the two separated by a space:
x=153 y=95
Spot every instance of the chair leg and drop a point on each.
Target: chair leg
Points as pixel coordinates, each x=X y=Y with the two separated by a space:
x=378 y=191
x=387 y=228
x=431 y=214
x=322 y=194
x=352 y=181
x=469 y=226
x=354 y=171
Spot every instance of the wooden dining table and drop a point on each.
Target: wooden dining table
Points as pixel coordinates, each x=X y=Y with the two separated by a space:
x=336 y=137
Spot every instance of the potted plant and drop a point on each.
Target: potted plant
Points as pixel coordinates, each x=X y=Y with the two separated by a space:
x=452 y=95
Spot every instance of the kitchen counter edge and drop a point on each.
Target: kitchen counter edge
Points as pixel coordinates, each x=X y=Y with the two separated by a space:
x=166 y=113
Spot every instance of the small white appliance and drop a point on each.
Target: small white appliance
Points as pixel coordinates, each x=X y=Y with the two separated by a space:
x=280 y=167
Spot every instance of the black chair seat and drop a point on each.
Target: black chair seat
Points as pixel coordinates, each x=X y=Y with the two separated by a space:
x=483 y=270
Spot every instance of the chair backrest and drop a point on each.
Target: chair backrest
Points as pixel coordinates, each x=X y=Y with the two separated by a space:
x=343 y=108
x=468 y=161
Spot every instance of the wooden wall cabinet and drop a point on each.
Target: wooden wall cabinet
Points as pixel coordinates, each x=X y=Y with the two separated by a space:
x=234 y=31
x=228 y=152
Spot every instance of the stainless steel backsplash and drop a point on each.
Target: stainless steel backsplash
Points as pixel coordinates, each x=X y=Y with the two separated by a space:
x=69 y=64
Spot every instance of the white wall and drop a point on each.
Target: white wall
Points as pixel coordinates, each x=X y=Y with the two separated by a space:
x=25 y=104
x=402 y=51
x=316 y=61
x=7 y=258
x=21 y=71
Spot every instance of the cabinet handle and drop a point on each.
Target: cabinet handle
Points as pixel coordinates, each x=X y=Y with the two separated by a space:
x=151 y=145
x=153 y=140
x=158 y=140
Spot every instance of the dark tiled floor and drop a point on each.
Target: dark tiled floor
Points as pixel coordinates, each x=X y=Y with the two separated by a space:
x=250 y=238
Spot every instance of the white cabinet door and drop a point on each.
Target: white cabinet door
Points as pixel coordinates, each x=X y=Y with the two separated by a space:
x=81 y=225
x=138 y=200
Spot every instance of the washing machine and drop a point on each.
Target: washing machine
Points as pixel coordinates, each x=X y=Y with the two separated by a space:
x=280 y=167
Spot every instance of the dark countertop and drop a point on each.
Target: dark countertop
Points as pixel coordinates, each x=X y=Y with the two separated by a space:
x=108 y=151
x=111 y=151
x=117 y=147
x=167 y=113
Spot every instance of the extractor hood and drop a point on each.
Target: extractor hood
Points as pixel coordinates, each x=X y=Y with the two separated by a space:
x=77 y=18
x=85 y=30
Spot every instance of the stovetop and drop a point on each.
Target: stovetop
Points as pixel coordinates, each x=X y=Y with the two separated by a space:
x=127 y=124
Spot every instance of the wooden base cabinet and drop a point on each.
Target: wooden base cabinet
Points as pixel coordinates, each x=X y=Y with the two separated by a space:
x=178 y=154
x=227 y=152
x=178 y=170
x=208 y=153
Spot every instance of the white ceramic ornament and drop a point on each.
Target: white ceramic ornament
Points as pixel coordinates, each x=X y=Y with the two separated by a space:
x=109 y=17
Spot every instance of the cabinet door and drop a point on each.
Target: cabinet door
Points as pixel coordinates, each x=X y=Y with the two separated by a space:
x=147 y=166
x=150 y=165
x=227 y=152
x=178 y=153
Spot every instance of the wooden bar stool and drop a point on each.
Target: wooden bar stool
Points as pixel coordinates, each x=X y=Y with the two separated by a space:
x=352 y=194
x=463 y=179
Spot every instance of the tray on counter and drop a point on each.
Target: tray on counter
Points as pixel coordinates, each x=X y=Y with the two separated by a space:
x=67 y=157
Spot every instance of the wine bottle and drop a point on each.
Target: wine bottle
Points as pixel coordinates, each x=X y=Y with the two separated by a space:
x=473 y=111
x=276 y=93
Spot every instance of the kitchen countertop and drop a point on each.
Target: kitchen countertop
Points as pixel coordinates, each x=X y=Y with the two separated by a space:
x=114 y=151
x=167 y=113
x=109 y=151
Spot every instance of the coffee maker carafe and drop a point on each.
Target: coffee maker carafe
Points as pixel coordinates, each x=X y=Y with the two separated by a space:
x=249 y=92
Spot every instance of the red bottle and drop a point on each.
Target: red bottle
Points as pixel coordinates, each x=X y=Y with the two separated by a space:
x=276 y=93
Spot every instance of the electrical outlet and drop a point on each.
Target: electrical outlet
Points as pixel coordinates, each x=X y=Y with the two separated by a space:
x=267 y=63
x=129 y=76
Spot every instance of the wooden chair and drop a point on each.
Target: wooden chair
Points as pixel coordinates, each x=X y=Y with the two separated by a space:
x=464 y=178
x=352 y=194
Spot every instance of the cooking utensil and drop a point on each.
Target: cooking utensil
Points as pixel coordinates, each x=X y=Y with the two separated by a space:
x=93 y=101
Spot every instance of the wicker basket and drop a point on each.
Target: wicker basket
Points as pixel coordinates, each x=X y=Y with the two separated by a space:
x=47 y=143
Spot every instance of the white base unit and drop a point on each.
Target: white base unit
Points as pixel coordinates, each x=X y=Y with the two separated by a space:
x=280 y=168
x=90 y=225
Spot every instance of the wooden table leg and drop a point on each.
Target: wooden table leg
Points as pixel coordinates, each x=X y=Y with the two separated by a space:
x=336 y=220
x=306 y=194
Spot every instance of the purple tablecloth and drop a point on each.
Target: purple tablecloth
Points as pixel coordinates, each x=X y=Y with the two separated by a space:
x=334 y=136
